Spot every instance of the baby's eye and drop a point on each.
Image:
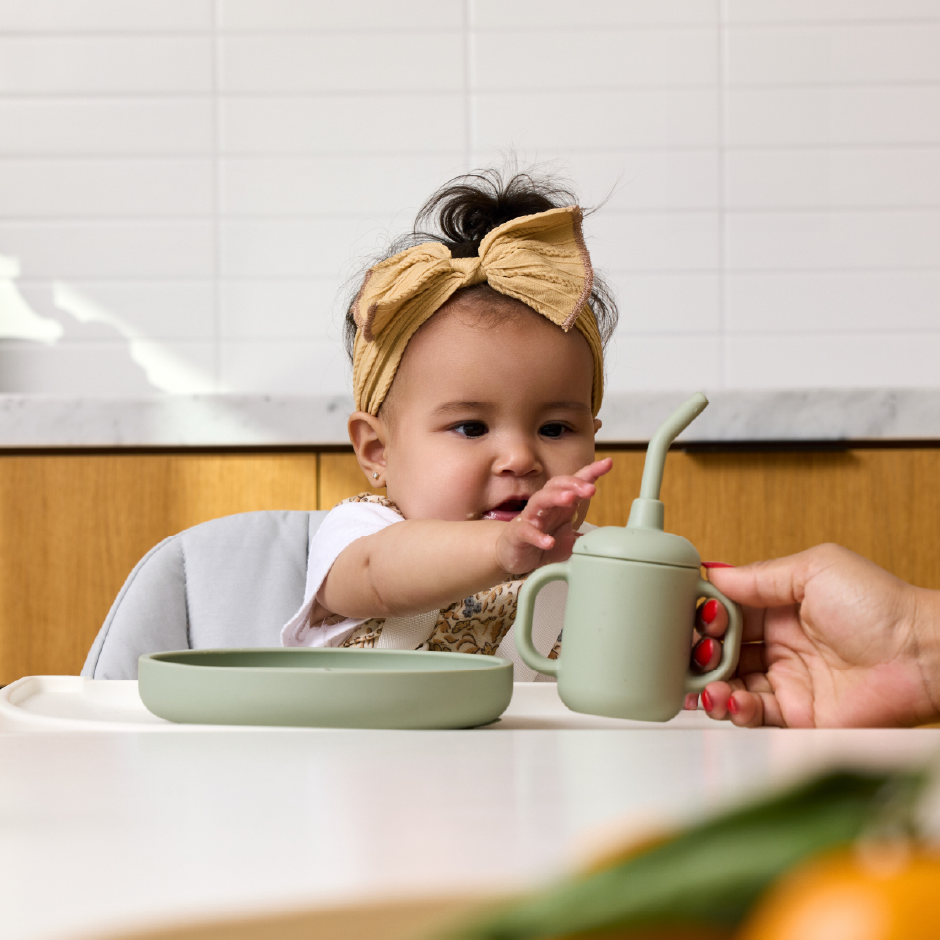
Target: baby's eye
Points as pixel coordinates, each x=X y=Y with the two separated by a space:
x=553 y=429
x=470 y=428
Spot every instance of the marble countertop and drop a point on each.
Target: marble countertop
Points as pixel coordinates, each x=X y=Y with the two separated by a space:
x=735 y=415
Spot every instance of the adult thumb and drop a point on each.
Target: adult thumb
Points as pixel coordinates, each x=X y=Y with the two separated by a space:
x=774 y=583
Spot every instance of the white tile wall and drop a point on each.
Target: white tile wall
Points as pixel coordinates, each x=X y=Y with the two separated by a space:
x=71 y=128
x=279 y=308
x=207 y=174
x=838 y=11
x=879 y=359
x=626 y=57
x=307 y=367
x=621 y=242
x=779 y=118
x=376 y=15
x=545 y=122
x=292 y=248
x=833 y=178
x=347 y=61
x=167 y=310
x=105 y=65
x=366 y=123
x=841 y=301
x=835 y=240
x=106 y=189
x=388 y=184
x=837 y=53
x=105 y=16
x=560 y=14
x=664 y=362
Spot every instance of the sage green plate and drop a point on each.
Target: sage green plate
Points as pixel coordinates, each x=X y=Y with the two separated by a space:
x=326 y=688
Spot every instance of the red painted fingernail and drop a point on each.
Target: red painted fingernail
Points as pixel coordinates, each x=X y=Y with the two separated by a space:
x=709 y=611
x=715 y=564
x=732 y=706
x=703 y=652
x=707 y=702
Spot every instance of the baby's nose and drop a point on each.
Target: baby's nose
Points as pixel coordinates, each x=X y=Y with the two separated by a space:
x=519 y=458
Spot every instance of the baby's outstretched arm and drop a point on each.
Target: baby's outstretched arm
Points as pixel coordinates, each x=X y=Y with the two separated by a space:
x=425 y=564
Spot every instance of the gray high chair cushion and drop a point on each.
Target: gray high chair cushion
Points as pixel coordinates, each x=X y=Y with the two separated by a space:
x=232 y=582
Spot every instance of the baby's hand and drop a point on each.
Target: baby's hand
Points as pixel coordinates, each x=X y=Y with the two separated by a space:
x=544 y=531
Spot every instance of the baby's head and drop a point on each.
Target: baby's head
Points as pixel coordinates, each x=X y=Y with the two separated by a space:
x=469 y=397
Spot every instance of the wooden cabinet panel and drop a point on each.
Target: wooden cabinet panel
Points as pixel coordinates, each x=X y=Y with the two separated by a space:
x=340 y=477
x=73 y=526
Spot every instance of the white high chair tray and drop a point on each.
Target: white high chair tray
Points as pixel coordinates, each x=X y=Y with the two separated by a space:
x=71 y=703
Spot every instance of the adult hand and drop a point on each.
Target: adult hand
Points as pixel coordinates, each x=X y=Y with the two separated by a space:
x=831 y=640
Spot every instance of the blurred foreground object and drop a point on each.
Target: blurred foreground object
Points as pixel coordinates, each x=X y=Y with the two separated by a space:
x=703 y=881
x=853 y=895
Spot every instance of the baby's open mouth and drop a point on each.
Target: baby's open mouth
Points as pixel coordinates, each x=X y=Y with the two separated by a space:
x=506 y=511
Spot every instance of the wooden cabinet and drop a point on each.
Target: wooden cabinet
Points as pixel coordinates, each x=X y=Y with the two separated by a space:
x=73 y=525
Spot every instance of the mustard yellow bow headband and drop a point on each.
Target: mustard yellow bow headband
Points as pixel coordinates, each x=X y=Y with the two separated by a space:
x=539 y=259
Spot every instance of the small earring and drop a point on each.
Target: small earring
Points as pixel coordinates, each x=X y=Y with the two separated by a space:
x=375 y=476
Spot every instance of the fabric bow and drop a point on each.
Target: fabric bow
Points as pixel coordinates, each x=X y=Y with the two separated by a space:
x=538 y=259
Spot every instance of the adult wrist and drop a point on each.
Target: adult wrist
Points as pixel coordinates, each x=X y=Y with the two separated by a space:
x=926 y=607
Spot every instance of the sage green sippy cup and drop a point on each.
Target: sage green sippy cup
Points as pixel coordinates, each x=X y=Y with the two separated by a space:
x=632 y=594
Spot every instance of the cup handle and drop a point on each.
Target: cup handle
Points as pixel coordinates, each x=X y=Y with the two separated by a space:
x=522 y=632
x=731 y=644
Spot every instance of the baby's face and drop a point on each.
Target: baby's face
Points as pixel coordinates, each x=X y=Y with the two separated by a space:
x=484 y=411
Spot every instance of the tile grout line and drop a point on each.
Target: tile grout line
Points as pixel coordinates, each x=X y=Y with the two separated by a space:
x=300 y=154
x=39 y=221
x=216 y=200
x=720 y=115
x=324 y=91
x=656 y=26
x=468 y=132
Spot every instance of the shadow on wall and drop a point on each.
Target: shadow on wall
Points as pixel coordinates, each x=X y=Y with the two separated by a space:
x=91 y=352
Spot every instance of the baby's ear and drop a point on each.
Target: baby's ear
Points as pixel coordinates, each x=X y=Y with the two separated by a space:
x=367 y=435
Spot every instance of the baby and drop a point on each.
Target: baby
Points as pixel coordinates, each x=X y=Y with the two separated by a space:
x=478 y=375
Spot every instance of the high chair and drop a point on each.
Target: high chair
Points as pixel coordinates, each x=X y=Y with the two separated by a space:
x=233 y=583
x=230 y=582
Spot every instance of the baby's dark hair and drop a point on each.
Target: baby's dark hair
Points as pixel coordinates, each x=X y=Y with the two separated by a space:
x=463 y=211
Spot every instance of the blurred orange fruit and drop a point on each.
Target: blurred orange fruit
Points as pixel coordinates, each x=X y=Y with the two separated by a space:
x=853 y=895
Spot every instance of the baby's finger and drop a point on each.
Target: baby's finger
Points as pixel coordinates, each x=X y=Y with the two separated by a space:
x=570 y=483
x=594 y=471
x=711 y=619
x=525 y=532
x=559 y=492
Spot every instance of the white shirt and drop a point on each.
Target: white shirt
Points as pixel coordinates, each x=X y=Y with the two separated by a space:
x=342 y=526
